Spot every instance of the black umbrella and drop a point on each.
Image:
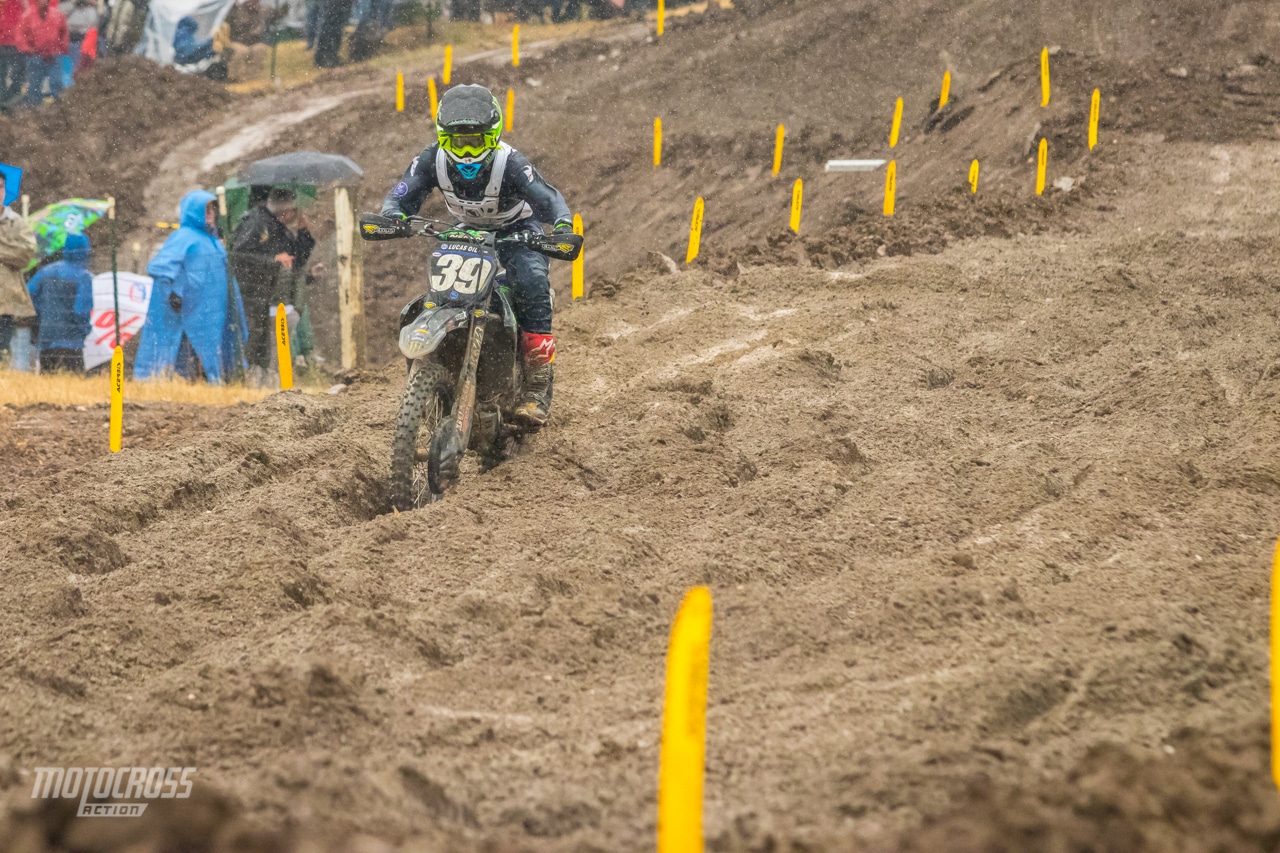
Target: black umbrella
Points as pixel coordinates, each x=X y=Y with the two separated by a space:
x=323 y=171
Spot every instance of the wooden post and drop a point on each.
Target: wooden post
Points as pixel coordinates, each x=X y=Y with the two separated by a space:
x=350 y=281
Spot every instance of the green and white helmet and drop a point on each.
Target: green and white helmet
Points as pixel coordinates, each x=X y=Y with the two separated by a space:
x=469 y=126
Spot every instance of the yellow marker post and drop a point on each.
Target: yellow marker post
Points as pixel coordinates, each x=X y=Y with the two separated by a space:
x=579 y=265
x=797 y=199
x=1042 y=162
x=515 y=46
x=447 y=72
x=657 y=142
x=399 y=92
x=511 y=110
x=662 y=14
x=682 y=764
x=946 y=90
x=897 y=124
x=435 y=97
x=973 y=176
x=695 y=231
x=1044 y=77
x=779 y=140
x=1275 y=667
x=890 y=187
x=117 y=398
x=283 y=355
x=1095 y=107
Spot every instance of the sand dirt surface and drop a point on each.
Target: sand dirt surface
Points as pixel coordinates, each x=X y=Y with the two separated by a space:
x=986 y=495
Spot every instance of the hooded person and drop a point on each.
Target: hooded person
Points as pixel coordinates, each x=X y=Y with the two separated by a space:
x=192 y=55
x=187 y=329
x=63 y=295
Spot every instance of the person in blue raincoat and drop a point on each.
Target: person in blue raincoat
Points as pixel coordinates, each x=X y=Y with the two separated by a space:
x=188 y=330
x=63 y=296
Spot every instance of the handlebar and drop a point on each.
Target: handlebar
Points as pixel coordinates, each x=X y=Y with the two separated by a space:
x=374 y=227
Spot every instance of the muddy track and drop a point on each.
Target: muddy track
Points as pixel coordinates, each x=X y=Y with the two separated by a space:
x=987 y=523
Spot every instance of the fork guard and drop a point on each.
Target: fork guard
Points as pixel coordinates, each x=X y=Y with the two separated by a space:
x=425 y=333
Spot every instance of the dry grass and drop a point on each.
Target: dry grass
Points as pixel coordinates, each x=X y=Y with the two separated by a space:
x=65 y=389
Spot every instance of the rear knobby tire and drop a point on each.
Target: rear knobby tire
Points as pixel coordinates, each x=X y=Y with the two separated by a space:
x=426 y=402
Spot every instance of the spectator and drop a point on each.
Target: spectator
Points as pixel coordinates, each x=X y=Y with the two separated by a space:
x=17 y=248
x=82 y=16
x=63 y=297
x=123 y=26
x=333 y=20
x=311 y=25
x=192 y=56
x=12 y=68
x=43 y=40
x=269 y=249
x=187 y=332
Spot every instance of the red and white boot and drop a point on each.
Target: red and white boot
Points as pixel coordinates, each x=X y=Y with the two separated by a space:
x=538 y=351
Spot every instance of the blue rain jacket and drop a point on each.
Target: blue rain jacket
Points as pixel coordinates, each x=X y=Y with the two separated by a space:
x=193 y=264
x=63 y=295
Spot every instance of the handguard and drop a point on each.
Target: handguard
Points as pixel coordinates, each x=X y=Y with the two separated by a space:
x=376 y=227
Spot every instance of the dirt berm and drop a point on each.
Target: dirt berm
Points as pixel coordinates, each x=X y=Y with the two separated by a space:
x=986 y=496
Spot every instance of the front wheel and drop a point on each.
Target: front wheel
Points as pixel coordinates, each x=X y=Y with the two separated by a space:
x=426 y=404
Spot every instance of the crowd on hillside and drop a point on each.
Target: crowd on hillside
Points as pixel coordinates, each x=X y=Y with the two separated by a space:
x=44 y=44
x=203 y=314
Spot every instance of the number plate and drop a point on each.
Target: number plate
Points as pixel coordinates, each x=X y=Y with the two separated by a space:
x=460 y=273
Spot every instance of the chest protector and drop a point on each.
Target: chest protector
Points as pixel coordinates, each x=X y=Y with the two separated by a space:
x=485 y=214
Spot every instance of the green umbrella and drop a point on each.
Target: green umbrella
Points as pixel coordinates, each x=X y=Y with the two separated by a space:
x=52 y=224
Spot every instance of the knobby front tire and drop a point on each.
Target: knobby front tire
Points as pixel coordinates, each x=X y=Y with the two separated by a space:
x=427 y=401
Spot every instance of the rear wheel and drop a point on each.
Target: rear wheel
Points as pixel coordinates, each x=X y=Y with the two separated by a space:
x=426 y=403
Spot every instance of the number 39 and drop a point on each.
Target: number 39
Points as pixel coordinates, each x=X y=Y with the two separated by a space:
x=458 y=273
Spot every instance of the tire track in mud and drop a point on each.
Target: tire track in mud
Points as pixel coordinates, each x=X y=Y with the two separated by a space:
x=939 y=508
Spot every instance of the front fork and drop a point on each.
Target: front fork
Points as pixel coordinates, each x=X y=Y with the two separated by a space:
x=450 y=441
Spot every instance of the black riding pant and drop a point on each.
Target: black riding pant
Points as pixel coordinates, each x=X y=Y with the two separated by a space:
x=530 y=286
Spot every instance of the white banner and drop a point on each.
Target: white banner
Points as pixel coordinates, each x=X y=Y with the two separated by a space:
x=135 y=293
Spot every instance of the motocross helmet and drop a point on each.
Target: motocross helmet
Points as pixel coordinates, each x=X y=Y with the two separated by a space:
x=469 y=127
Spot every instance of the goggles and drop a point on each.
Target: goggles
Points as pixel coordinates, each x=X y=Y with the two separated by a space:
x=469 y=144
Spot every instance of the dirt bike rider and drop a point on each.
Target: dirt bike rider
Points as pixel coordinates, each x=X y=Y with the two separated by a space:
x=489 y=186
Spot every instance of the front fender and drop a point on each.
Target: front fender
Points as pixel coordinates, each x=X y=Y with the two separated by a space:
x=424 y=334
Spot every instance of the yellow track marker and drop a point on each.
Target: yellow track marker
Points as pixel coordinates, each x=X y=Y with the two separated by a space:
x=399 y=92
x=657 y=142
x=1042 y=163
x=515 y=46
x=797 y=199
x=1095 y=107
x=973 y=176
x=1275 y=667
x=435 y=97
x=511 y=110
x=1044 y=77
x=695 y=231
x=447 y=72
x=890 y=187
x=779 y=140
x=946 y=90
x=579 y=268
x=682 y=765
x=662 y=14
x=283 y=355
x=897 y=124
x=117 y=398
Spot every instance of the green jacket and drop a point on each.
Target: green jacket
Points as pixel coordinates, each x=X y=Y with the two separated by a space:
x=17 y=248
